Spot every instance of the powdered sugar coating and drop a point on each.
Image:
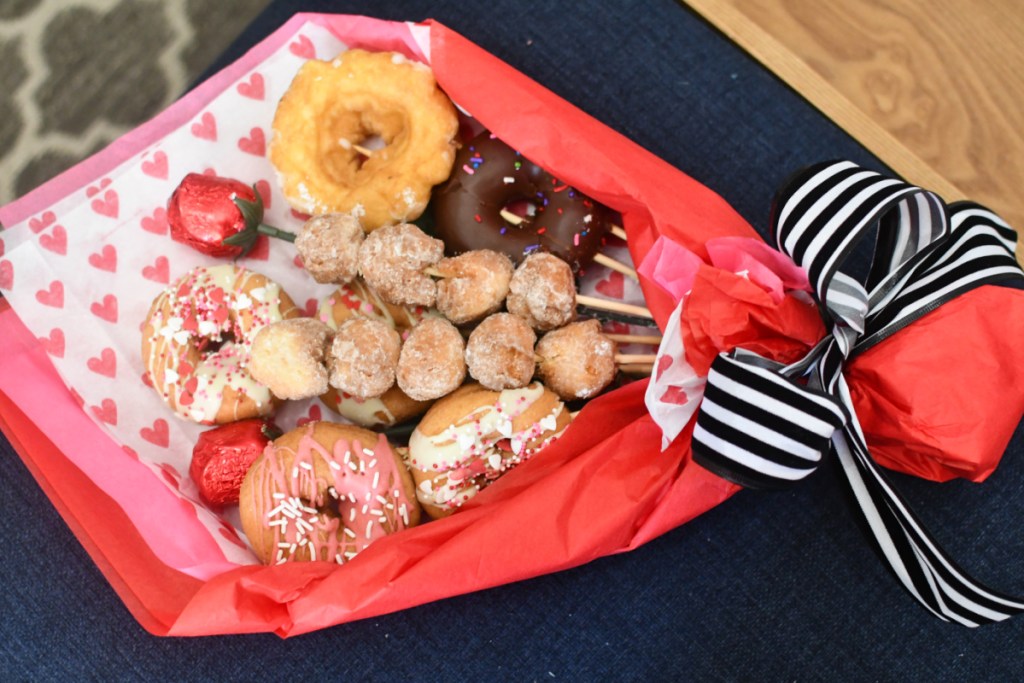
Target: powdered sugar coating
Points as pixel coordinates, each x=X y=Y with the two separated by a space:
x=288 y=358
x=432 y=363
x=543 y=292
x=392 y=260
x=363 y=358
x=577 y=361
x=329 y=246
x=472 y=285
x=499 y=353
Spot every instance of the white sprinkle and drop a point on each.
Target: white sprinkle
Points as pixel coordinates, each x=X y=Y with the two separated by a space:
x=303 y=542
x=362 y=467
x=282 y=545
x=295 y=472
x=306 y=465
x=365 y=508
x=335 y=465
x=350 y=533
x=404 y=511
x=376 y=479
x=351 y=497
x=291 y=549
x=494 y=460
x=350 y=554
x=278 y=496
x=348 y=456
x=351 y=514
x=517 y=446
x=338 y=559
x=373 y=463
x=588 y=218
x=279 y=522
x=352 y=466
x=309 y=510
x=367 y=451
x=508 y=180
x=382 y=500
x=369 y=529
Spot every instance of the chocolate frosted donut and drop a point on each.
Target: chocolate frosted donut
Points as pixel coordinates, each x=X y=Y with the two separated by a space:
x=490 y=176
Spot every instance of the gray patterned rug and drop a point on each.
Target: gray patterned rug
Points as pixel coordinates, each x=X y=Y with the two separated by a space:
x=77 y=74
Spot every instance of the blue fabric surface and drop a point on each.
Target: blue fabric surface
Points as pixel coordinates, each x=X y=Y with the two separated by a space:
x=779 y=586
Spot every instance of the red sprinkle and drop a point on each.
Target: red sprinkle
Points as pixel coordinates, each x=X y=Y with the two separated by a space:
x=477 y=218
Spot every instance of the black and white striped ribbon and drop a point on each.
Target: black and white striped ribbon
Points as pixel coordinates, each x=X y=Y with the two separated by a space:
x=765 y=425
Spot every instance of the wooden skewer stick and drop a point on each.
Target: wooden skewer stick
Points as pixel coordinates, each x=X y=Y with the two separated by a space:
x=635 y=358
x=618 y=232
x=365 y=151
x=637 y=369
x=635 y=338
x=605 y=261
x=628 y=309
x=608 y=262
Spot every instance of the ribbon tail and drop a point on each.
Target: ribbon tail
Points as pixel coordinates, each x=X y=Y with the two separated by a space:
x=924 y=569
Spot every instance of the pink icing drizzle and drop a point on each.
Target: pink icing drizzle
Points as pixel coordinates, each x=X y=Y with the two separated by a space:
x=365 y=488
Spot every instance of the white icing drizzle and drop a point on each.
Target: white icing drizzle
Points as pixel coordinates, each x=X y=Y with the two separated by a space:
x=481 y=447
x=208 y=305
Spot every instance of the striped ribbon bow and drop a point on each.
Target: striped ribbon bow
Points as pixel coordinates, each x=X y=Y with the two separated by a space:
x=765 y=425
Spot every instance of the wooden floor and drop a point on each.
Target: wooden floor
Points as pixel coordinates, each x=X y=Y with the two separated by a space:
x=934 y=88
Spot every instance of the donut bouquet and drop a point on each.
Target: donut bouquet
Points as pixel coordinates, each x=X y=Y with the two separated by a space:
x=352 y=327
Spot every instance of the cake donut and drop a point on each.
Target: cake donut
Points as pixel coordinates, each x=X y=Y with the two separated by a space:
x=490 y=176
x=474 y=435
x=325 y=492
x=332 y=108
x=356 y=299
x=197 y=339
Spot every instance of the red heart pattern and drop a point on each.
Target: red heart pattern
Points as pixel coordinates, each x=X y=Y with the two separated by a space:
x=105 y=260
x=105 y=364
x=55 y=241
x=263 y=187
x=53 y=296
x=260 y=249
x=311 y=307
x=156 y=222
x=303 y=47
x=674 y=395
x=253 y=88
x=160 y=271
x=255 y=144
x=46 y=219
x=108 y=206
x=94 y=190
x=157 y=166
x=664 y=363
x=6 y=275
x=158 y=434
x=206 y=127
x=170 y=475
x=107 y=412
x=107 y=310
x=612 y=286
x=314 y=416
x=54 y=344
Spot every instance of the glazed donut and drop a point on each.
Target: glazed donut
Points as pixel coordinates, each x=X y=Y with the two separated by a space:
x=197 y=339
x=393 y=407
x=325 y=492
x=331 y=107
x=473 y=436
x=490 y=176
